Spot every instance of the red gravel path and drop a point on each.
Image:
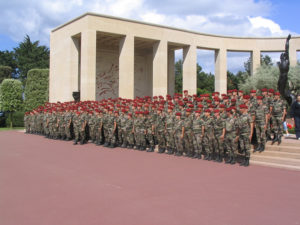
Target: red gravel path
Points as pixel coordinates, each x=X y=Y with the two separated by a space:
x=47 y=182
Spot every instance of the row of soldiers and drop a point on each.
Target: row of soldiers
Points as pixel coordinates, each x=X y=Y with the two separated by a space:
x=212 y=127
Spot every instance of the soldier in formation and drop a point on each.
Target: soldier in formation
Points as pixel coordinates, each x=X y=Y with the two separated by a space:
x=208 y=126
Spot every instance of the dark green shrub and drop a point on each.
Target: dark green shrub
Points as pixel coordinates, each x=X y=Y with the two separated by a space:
x=17 y=119
x=5 y=72
x=37 y=89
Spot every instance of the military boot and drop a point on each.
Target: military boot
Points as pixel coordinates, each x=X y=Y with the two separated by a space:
x=242 y=163
x=75 y=142
x=269 y=137
x=275 y=139
x=228 y=159
x=178 y=154
x=206 y=156
x=279 y=139
x=233 y=160
x=262 y=148
x=220 y=158
x=247 y=159
x=217 y=158
x=81 y=142
x=257 y=148
x=105 y=144
x=143 y=148
x=151 y=149
x=170 y=151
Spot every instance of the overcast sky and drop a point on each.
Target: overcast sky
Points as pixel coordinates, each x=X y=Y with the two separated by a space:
x=226 y=17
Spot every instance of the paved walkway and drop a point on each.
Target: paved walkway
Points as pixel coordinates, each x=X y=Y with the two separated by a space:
x=47 y=182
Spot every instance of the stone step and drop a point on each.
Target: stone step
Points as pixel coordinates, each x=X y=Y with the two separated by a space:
x=275 y=165
x=286 y=142
x=282 y=148
x=277 y=160
x=281 y=154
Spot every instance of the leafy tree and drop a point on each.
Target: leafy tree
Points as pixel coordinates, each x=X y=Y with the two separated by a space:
x=5 y=72
x=7 y=58
x=29 y=55
x=11 y=96
x=178 y=76
x=264 y=60
x=36 y=89
x=205 y=81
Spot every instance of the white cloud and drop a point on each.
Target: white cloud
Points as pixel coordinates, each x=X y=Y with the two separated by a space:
x=231 y=17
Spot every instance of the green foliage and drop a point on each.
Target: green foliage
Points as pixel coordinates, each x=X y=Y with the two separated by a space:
x=29 y=55
x=264 y=77
x=11 y=95
x=7 y=58
x=264 y=60
x=178 y=76
x=5 y=72
x=36 y=90
x=11 y=100
x=17 y=119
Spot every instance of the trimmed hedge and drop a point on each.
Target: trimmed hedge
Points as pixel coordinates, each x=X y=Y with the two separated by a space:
x=17 y=119
x=37 y=88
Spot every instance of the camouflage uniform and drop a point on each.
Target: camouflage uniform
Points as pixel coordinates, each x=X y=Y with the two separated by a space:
x=219 y=125
x=188 y=136
x=278 y=107
x=178 y=124
x=244 y=122
x=208 y=139
x=160 y=134
x=261 y=112
x=197 y=125
x=169 y=133
x=230 y=134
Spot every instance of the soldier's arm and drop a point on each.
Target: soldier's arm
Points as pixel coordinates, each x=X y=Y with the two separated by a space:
x=182 y=132
x=203 y=130
x=115 y=126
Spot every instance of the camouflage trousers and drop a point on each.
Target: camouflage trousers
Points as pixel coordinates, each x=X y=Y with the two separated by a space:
x=269 y=128
x=208 y=143
x=149 y=137
x=111 y=137
x=77 y=132
x=99 y=135
x=92 y=132
x=188 y=141
x=122 y=137
x=277 y=125
x=218 y=143
x=106 y=134
x=161 y=141
x=245 y=144
x=61 y=130
x=140 y=138
x=178 y=141
x=68 y=131
x=46 y=130
x=197 y=142
x=170 y=142
x=230 y=144
x=260 y=132
x=130 y=137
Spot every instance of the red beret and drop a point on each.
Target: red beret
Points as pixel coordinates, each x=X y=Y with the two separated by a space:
x=198 y=111
x=216 y=111
x=178 y=114
x=246 y=97
x=259 y=97
x=277 y=93
x=271 y=90
x=222 y=106
x=200 y=106
x=207 y=110
x=185 y=91
x=243 y=106
x=233 y=100
x=228 y=109
x=189 y=110
x=253 y=91
x=264 y=90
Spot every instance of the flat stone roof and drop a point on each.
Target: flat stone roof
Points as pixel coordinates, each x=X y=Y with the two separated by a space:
x=157 y=25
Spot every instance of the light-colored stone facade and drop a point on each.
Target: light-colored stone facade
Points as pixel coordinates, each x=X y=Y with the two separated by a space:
x=107 y=57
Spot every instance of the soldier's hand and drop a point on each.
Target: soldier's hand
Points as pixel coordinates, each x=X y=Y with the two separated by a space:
x=181 y=136
x=265 y=127
x=250 y=137
x=222 y=137
x=236 y=139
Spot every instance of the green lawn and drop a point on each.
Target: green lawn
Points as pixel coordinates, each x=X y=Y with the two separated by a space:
x=14 y=128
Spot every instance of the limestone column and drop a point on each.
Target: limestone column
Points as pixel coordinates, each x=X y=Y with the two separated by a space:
x=189 y=69
x=126 y=67
x=88 y=65
x=75 y=64
x=160 y=68
x=171 y=72
x=255 y=60
x=221 y=70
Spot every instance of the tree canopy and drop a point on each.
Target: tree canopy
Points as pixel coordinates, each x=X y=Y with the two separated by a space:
x=30 y=55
